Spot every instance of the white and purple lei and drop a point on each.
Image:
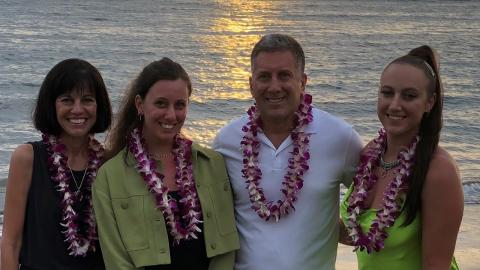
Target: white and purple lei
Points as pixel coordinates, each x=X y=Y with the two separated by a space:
x=183 y=224
x=78 y=245
x=374 y=239
x=297 y=163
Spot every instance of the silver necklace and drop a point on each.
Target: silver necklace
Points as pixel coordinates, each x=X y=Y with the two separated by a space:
x=161 y=156
x=75 y=180
x=386 y=166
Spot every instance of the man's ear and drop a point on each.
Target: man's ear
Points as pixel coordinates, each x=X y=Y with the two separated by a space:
x=304 y=81
x=250 y=85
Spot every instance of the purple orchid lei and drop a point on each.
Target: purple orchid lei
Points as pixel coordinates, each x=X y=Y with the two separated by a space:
x=297 y=163
x=364 y=180
x=78 y=245
x=183 y=224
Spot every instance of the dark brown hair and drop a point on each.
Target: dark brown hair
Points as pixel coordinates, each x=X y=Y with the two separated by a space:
x=424 y=58
x=127 y=117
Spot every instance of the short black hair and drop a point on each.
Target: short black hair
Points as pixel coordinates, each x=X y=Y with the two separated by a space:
x=64 y=77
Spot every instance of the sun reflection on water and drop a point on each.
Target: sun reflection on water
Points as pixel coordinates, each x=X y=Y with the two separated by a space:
x=232 y=34
x=203 y=131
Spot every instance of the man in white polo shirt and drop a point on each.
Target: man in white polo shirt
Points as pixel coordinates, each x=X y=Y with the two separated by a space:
x=286 y=161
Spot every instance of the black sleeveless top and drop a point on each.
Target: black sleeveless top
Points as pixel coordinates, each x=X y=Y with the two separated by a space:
x=43 y=245
x=186 y=255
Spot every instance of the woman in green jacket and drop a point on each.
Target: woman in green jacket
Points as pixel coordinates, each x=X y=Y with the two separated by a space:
x=161 y=201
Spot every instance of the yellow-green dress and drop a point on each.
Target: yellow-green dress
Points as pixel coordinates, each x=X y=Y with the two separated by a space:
x=403 y=246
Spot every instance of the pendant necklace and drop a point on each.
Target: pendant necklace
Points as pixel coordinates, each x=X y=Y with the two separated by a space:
x=79 y=186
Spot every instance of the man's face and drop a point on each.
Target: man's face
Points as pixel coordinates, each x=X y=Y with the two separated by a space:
x=277 y=85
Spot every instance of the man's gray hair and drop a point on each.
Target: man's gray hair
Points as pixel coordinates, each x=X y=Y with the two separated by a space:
x=279 y=42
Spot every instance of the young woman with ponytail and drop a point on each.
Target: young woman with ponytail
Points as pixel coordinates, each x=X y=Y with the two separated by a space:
x=404 y=209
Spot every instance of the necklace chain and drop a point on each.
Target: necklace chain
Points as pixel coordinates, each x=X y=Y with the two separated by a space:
x=79 y=187
x=160 y=156
x=364 y=180
x=386 y=166
x=78 y=243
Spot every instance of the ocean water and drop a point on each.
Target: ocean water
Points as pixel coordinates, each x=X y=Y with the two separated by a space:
x=347 y=44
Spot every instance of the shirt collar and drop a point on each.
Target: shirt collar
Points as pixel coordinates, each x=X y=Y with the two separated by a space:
x=312 y=128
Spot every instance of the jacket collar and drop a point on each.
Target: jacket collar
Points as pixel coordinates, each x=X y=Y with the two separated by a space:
x=200 y=150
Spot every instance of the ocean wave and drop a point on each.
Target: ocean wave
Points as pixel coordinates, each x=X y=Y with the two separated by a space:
x=471 y=191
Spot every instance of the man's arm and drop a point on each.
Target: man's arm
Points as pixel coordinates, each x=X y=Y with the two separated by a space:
x=354 y=146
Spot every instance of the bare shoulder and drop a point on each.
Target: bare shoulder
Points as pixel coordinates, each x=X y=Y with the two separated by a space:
x=22 y=154
x=443 y=167
x=21 y=164
x=443 y=173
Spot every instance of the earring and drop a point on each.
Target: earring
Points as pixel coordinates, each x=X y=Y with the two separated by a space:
x=140 y=117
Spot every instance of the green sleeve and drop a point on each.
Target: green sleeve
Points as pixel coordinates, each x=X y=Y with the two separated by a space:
x=114 y=253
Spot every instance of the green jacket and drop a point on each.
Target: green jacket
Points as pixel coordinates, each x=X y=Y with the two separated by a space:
x=132 y=231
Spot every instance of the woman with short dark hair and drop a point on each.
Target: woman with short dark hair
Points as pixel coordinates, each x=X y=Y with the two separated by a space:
x=49 y=220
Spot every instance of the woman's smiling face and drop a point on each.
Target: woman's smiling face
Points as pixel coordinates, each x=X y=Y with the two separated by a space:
x=164 y=109
x=403 y=99
x=76 y=112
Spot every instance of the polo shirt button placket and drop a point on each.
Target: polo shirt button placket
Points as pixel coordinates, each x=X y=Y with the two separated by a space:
x=277 y=161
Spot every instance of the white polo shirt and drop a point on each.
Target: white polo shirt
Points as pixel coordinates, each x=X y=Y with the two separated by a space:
x=306 y=238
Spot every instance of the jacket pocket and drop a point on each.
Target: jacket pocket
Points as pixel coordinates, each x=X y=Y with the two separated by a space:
x=131 y=223
x=222 y=202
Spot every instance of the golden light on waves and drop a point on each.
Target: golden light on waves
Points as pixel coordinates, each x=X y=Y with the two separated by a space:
x=234 y=31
